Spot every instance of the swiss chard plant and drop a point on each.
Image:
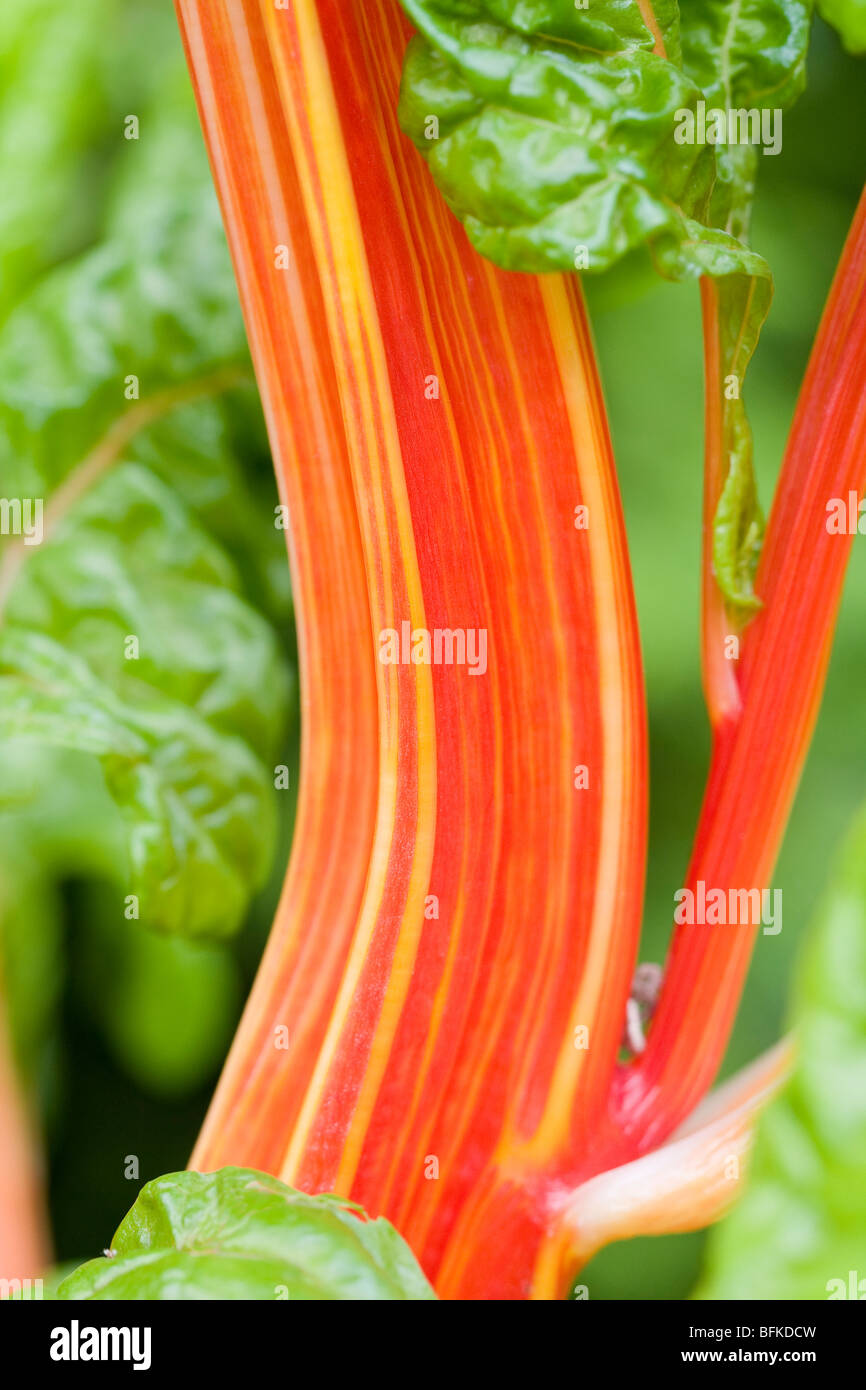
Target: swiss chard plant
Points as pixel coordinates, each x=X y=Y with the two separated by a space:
x=450 y=1035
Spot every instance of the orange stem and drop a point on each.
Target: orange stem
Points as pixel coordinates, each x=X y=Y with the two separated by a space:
x=459 y=1047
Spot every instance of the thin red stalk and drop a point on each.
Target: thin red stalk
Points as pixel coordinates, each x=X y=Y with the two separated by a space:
x=754 y=773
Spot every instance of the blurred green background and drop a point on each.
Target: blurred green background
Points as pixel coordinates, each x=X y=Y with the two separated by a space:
x=151 y=1079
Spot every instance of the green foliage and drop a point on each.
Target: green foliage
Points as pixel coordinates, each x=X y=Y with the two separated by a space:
x=750 y=55
x=558 y=127
x=47 y=65
x=186 y=720
x=239 y=1234
x=802 y=1222
x=128 y=409
x=555 y=137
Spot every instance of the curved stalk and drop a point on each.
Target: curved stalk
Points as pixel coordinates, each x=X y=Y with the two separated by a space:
x=465 y=1041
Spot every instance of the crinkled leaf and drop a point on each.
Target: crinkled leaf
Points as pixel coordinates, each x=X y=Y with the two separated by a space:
x=129 y=559
x=551 y=130
x=117 y=374
x=747 y=52
x=194 y=801
x=556 y=135
x=848 y=17
x=555 y=142
x=801 y=1226
x=239 y=1234
x=67 y=351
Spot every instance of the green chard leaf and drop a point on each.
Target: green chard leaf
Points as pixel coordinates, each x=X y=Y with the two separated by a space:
x=194 y=802
x=556 y=137
x=800 y=1229
x=125 y=633
x=239 y=1234
x=563 y=141
x=848 y=18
